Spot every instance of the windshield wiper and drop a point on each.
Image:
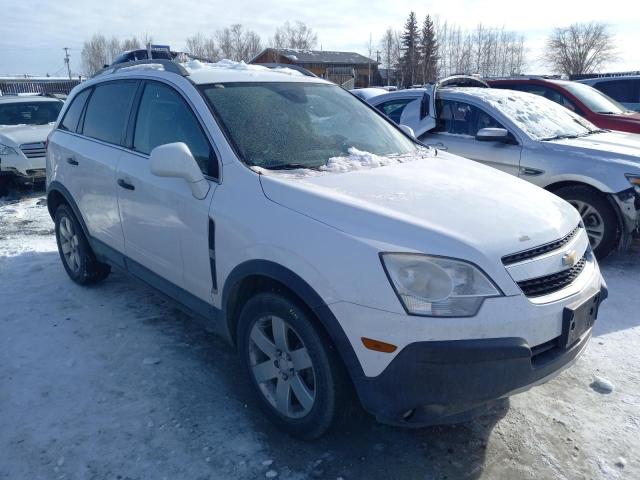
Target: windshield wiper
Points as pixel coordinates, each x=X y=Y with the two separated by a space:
x=288 y=166
x=558 y=137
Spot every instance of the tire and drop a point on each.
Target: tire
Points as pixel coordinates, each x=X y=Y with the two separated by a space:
x=77 y=257
x=279 y=360
x=597 y=215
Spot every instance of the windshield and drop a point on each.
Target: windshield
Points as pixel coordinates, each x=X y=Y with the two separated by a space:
x=280 y=125
x=537 y=117
x=594 y=99
x=29 y=113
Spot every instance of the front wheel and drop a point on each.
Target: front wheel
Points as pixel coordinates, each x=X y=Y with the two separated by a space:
x=598 y=217
x=301 y=383
x=77 y=257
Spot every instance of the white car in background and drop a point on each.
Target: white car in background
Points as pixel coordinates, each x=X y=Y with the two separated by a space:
x=25 y=123
x=597 y=171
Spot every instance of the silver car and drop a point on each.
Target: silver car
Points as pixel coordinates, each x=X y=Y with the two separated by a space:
x=597 y=171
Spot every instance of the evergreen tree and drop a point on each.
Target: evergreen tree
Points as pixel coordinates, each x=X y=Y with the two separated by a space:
x=428 y=51
x=410 y=40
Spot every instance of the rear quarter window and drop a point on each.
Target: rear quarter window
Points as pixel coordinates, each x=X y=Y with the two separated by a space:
x=108 y=111
x=72 y=116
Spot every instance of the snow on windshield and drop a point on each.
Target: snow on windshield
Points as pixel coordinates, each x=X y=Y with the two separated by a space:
x=356 y=160
x=536 y=116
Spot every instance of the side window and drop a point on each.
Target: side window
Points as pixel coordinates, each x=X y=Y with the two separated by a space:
x=71 y=118
x=394 y=108
x=459 y=118
x=108 y=111
x=164 y=117
x=620 y=90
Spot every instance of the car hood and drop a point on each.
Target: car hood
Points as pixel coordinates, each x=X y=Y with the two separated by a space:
x=443 y=205
x=16 y=135
x=619 y=147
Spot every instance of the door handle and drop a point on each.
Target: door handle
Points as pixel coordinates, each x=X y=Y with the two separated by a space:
x=125 y=185
x=72 y=161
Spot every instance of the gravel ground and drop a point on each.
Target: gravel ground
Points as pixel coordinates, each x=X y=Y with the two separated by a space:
x=113 y=382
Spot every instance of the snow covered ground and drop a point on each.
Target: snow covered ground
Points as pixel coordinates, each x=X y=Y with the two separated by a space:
x=113 y=382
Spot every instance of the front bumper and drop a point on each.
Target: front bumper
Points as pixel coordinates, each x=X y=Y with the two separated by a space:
x=23 y=168
x=445 y=368
x=441 y=382
x=628 y=208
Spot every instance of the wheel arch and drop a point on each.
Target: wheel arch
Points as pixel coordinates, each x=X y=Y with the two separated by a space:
x=622 y=234
x=255 y=276
x=58 y=194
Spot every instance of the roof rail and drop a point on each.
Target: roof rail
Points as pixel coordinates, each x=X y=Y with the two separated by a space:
x=167 y=65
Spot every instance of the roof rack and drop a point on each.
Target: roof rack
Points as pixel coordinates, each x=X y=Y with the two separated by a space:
x=168 y=66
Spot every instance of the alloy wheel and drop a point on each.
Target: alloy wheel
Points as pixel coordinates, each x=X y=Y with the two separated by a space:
x=593 y=222
x=282 y=367
x=69 y=244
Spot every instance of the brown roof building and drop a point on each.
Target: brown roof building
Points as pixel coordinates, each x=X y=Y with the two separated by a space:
x=349 y=69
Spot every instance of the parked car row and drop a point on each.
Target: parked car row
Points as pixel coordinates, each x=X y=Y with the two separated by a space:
x=531 y=137
x=344 y=259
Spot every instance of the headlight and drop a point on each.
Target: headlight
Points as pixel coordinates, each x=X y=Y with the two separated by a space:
x=634 y=180
x=437 y=286
x=5 y=150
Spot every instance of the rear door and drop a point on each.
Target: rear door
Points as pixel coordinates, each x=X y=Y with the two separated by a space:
x=94 y=156
x=458 y=123
x=166 y=229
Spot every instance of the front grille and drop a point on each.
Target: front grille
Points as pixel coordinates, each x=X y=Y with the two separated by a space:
x=33 y=150
x=541 y=250
x=536 y=287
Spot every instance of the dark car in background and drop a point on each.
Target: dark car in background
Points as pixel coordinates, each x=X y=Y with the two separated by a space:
x=586 y=101
x=623 y=89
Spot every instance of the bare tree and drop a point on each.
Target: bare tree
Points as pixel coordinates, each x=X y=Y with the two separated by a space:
x=387 y=48
x=202 y=46
x=488 y=51
x=297 y=35
x=131 y=44
x=94 y=54
x=236 y=43
x=370 y=49
x=580 y=48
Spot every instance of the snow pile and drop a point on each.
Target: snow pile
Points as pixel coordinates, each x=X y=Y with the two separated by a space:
x=360 y=160
x=357 y=160
x=227 y=64
x=602 y=385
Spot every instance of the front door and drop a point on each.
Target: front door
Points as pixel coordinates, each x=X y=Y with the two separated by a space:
x=457 y=125
x=165 y=226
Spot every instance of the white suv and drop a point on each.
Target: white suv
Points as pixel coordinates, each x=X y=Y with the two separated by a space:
x=333 y=250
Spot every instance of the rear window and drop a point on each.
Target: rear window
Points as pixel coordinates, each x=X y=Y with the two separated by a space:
x=108 y=111
x=71 y=118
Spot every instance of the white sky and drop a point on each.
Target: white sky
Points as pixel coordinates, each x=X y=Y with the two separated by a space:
x=33 y=32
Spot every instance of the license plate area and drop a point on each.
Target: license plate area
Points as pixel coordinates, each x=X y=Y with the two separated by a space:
x=577 y=319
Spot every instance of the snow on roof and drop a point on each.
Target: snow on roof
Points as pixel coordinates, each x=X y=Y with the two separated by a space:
x=302 y=56
x=231 y=71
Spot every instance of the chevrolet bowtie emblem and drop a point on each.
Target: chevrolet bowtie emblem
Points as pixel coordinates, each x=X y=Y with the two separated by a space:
x=570 y=258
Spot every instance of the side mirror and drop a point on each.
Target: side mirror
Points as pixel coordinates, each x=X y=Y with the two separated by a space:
x=408 y=130
x=494 y=135
x=175 y=160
